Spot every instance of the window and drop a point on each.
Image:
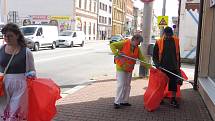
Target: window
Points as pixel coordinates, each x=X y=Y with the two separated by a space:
x=74 y=35
x=90 y=5
x=40 y=32
x=79 y=3
x=109 y=21
x=94 y=7
x=90 y=28
x=105 y=20
x=110 y=9
x=85 y=4
x=100 y=5
x=85 y=28
x=94 y=28
x=100 y=19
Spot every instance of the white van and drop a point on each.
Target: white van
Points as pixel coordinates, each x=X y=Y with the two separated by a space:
x=41 y=35
x=71 y=38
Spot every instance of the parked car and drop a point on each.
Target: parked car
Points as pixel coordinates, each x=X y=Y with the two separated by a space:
x=71 y=38
x=41 y=35
x=1 y=26
x=30 y=43
x=116 y=38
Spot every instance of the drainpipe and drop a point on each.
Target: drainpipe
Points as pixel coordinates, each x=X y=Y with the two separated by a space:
x=195 y=86
x=179 y=14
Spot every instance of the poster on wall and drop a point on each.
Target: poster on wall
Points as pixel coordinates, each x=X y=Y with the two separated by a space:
x=212 y=3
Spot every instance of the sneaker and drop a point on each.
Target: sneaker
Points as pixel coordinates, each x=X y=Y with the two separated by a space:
x=125 y=104
x=117 y=106
x=174 y=103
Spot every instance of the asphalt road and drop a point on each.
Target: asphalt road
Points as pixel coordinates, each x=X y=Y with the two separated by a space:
x=69 y=67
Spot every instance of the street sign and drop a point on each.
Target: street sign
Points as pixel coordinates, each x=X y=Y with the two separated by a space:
x=147 y=1
x=162 y=21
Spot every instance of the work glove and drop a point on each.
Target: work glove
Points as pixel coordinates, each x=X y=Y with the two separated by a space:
x=30 y=74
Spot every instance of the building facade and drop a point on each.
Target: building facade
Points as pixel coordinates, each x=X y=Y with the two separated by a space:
x=129 y=17
x=104 y=19
x=206 y=65
x=138 y=20
x=86 y=18
x=25 y=12
x=118 y=17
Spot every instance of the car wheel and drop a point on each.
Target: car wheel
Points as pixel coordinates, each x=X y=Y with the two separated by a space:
x=53 y=45
x=71 y=44
x=36 y=46
x=82 y=44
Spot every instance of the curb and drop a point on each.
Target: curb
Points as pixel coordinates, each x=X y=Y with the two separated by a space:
x=76 y=88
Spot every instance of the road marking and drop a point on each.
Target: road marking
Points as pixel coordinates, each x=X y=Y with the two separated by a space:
x=60 y=57
x=71 y=91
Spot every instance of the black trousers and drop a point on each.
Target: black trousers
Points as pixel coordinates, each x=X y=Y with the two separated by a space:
x=173 y=80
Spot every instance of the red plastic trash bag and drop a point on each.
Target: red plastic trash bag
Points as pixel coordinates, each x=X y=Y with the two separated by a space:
x=154 y=92
x=168 y=94
x=43 y=94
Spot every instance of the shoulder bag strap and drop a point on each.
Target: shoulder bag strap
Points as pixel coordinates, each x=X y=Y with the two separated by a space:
x=11 y=58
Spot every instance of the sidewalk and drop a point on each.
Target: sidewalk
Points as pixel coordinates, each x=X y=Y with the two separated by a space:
x=95 y=103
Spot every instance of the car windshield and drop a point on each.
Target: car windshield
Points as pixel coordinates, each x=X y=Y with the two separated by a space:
x=28 y=30
x=115 y=38
x=65 y=33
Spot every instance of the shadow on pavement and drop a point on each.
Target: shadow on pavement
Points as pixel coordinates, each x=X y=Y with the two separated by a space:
x=191 y=108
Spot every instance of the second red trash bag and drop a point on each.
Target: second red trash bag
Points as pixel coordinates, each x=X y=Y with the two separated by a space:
x=43 y=94
x=154 y=92
x=168 y=94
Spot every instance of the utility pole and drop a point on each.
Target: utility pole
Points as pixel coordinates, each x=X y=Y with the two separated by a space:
x=73 y=14
x=163 y=14
x=147 y=25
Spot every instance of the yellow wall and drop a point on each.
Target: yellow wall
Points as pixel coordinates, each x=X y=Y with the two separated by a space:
x=118 y=16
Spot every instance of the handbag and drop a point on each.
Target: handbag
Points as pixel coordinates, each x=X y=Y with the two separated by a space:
x=2 y=76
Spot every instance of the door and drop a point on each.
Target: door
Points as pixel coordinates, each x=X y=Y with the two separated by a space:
x=75 y=38
x=40 y=37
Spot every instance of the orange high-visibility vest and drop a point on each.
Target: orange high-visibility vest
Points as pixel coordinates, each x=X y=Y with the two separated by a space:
x=160 y=43
x=125 y=63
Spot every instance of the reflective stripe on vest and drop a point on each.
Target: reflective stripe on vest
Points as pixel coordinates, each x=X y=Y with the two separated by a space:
x=125 y=63
x=160 y=43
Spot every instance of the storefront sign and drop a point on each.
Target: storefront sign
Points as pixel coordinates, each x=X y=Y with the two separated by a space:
x=38 y=17
x=60 y=17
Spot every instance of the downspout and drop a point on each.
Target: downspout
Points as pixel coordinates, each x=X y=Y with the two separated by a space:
x=179 y=14
x=195 y=86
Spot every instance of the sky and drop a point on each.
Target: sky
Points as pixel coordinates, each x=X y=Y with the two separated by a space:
x=171 y=7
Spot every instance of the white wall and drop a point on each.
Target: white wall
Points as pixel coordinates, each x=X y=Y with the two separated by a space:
x=188 y=30
x=41 y=7
x=87 y=16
